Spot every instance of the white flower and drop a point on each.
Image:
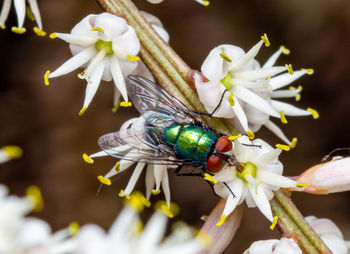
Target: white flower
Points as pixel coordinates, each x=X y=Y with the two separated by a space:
x=274 y=246
x=126 y=236
x=330 y=234
x=156 y=175
x=10 y=152
x=259 y=173
x=107 y=45
x=252 y=89
x=20 y=7
x=203 y=2
x=22 y=235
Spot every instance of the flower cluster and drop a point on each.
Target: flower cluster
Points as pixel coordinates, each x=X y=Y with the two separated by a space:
x=259 y=173
x=107 y=47
x=21 y=10
x=250 y=90
x=156 y=175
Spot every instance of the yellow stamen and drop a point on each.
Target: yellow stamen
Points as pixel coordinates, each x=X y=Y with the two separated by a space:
x=231 y=100
x=133 y=58
x=293 y=143
x=266 y=40
x=39 y=32
x=46 y=77
x=34 y=195
x=82 y=111
x=308 y=71
x=115 y=108
x=104 y=180
x=117 y=167
x=73 y=228
x=167 y=211
x=289 y=68
x=314 y=113
x=98 y=29
x=3 y=27
x=209 y=178
x=87 y=159
x=283 y=147
x=300 y=88
x=205 y=239
x=155 y=192
x=30 y=14
x=298 y=97
x=125 y=104
x=285 y=50
x=232 y=138
x=283 y=117
x=206 y=3
x=82 y=74
x=13 y=152
x=18 y=30
x=274 y=222
x=302 y=185
x=225 y=57
x=53 y=36
x=250 y=134
x=121 y=193
x=182 y=71
x=222 y=220
x=136 y=201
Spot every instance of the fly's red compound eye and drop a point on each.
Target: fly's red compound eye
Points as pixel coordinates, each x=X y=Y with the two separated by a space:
x=214 y=164
x=223 y=144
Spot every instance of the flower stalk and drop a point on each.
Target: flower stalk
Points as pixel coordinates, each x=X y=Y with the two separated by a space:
x=176 y=77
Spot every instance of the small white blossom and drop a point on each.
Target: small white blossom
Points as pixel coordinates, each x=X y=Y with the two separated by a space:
x=107 y=46
x=156 y=175
x=22 y=235
x=274 y=246
x=259 y=173
x=330 y=234
x=252 y=89
x=126 y=236
x=21 y=10
x=8 y=153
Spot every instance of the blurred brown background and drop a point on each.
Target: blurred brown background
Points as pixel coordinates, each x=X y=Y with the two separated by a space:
x=45 y=122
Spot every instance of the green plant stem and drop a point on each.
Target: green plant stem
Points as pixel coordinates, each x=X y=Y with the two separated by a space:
x=298 y=219
x=177 y=78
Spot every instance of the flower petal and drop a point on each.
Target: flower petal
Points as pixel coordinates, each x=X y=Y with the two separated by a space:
x=36 y=12
x=259 y=73
x=165 y=185
x=118 y=78
x=262 y=202
x=277 y=131
x=150 y=181
x=75 y=62
x=20 y=6
x=5 y=10
x=289 y=109
x=243 y=60
x=254 y=100
x=93 y=84
x=272 y=59
x=153 y=232
x=81 y=40
x=285 y=79
x=275 y=180
x=239 y=112
x=158 y=175
x=126 y=44
x=133 y=179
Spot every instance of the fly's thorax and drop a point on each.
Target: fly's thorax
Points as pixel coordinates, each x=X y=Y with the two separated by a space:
x=190 y=141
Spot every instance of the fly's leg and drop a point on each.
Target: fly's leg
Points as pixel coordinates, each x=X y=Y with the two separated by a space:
x=190 y=174
x=216 y=108
x=178 y=169
x=259 y=146
x=229 y=189
x=327 y=157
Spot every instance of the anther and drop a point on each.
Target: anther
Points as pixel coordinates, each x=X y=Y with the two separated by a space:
x=293 y=143
x=133 y=58
x=53 y=35
x=155 y=192
x=283 y=147
x=97 y=29
x=225 y=57
x=46 y=77
x=222 y=220
x=125 y=104
x=283 y=117
x=39 y=32
x=285 y=51
x=308 y=71
x=266 y=40
x=18 y=30
x=274 y=222
x=302 y=185
x=231 y=100
x=104 y=180
x=250 y=134
x=87 y=159
x=82 y=111
x=314 y=113
x=209 y=178
x=289 y=68
x=117 y=167
x=73 y=228
x=34 y=195
x=232 y=138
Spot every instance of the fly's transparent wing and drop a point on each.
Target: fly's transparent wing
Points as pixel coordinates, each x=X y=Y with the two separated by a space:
x=140 y=145
x=157 y=106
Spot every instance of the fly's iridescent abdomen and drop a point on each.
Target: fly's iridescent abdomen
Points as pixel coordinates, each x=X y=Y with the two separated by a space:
x=190 y=141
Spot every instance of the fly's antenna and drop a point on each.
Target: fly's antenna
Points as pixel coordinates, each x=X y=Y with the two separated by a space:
x=326 y=158
x=228 y=187
x=216 y=108
x=251 y=145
